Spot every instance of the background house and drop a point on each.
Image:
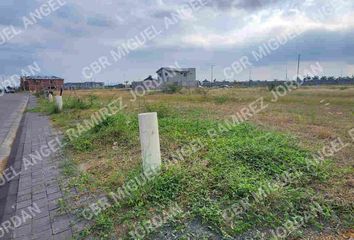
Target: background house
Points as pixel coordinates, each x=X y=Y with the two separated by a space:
x=148 y=83
x=184 y=77
x=41 y=83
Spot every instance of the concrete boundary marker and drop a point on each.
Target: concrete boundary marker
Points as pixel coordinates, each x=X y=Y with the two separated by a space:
x=6 y=145
x=150 y=141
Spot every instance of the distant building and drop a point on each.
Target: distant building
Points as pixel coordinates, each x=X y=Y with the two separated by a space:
x=207 y=83
x=149 y=83
x=224 y=83
x=83 y=85
x=184 y=77
x=41 y=83
x=119 y=85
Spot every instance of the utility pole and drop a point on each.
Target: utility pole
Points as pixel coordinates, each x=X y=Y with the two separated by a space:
x=298 y=67
x=211 y=73
x=286 y=72
x=250 y=75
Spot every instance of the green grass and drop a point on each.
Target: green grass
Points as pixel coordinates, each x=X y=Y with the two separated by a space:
x=229 y=168
x=114 y=129
x=221 y=99
x=70 y=103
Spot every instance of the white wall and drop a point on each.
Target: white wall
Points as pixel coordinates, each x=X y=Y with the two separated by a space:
x=183 y=79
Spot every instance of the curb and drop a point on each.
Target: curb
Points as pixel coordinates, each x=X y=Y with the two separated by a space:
x=6 y=145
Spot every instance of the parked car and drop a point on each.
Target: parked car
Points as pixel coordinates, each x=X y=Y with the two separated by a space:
x=10 y=89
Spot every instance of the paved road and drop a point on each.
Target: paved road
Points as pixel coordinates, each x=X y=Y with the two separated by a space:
x=9 y=104
x=29 y=202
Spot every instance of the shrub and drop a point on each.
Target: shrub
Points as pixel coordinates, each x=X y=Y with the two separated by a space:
x=271 y=87
x=82 y=144
x=202 y=91
x=167 y=186
x=93 y=99
x=162 y=110
x=39 y=94
x=76 y=103
x=172 y=88
x=118 y=128
x=221 y=99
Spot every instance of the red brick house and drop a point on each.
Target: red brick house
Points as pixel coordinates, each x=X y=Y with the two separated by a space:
x=41 y=83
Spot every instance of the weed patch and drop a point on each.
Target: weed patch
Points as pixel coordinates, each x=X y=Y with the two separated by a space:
x=221 y=99
x=233 y=167
x=243 y=162
x=117 y=129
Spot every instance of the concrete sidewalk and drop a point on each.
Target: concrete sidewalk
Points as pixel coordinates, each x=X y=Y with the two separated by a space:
x=33 y=194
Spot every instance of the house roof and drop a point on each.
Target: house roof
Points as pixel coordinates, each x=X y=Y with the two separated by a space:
x=42 y=78
x=174 y=69
x=149 y=78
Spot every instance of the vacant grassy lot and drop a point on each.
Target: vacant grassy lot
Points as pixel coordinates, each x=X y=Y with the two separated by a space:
x=227 y=167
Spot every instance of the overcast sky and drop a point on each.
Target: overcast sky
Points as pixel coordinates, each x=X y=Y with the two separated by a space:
x=220 y=33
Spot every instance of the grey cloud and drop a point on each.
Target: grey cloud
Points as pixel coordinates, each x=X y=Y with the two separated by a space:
x=312 y=45
x=12 y=11
x=244 y=4
x=13 y=57
x=254 y=5
x=70 y=13
x=328 y=45
x=99 y=21
x=71 y=24
x=75 y=31
x=161 y=13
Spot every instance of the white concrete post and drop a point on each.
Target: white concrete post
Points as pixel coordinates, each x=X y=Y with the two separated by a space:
x=150 y=141
x=59 y=102
x=50 y=97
